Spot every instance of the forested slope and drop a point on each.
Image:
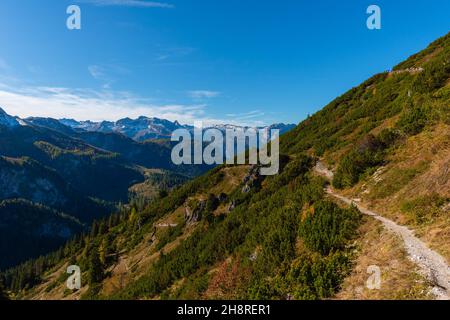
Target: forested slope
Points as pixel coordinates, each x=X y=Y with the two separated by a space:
x=235 y=234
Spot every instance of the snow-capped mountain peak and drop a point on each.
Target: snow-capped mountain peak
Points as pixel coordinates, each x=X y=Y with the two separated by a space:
x=6 y=120
x=145 y=128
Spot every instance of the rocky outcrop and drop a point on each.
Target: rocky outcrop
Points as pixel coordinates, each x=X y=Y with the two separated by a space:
x=152 y=238
x=246 y=189
x=253 y=175
x=251 y=179
x=232 y=206
x=167 y=225
x=408 y=70
x=193 y=215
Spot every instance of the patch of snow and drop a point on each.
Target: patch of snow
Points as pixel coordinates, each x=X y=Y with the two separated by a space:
x=7 y=120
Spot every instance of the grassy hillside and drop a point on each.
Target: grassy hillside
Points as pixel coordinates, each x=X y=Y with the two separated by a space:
x=387 y=141
x=280 y=237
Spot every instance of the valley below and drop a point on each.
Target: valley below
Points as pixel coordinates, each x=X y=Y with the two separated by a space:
x=360 y=208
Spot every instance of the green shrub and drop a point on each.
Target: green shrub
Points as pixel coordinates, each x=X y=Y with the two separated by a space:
x=169 y=235
x=329 y=228
x=413 y=121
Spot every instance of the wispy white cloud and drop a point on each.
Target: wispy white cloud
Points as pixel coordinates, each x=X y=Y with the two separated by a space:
x=164 y=54
x=98 y=73
x=22 y=100
x=87 y=104
x=131 y=3
x=203 y=94
x=95 y=71
x=254 y=114
x=107 y=74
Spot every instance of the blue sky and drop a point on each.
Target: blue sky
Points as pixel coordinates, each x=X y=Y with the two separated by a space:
x=237 y=61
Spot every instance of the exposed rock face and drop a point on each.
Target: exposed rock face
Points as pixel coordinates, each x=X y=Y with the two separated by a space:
x=16 y=182
x=253 y=175
x=246 y=189
x=232 y=206
x=193 y=215
x=408 y=70
x=251 y=179
x=152 y=237
x=167 y=225
x=254 y=255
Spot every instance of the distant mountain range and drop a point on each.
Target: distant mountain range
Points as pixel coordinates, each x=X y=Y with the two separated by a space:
x=143 y=128
x=139 y=129
x=63 y=170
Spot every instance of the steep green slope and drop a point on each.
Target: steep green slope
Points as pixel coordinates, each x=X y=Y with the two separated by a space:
x=276 y=247
x=415 y=94
x=277 y=238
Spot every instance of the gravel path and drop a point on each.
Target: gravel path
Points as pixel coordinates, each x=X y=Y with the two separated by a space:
x=432 y=265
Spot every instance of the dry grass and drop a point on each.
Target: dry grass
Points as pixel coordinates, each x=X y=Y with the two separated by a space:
x=399 y=277
x=420 y=168
x=233 y=177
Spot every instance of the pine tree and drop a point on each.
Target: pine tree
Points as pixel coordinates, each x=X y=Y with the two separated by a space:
x=95 y=266
x=112 y=221
x=103 y=251
x=94 y=229
x=102 y=227
x=133 y=216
